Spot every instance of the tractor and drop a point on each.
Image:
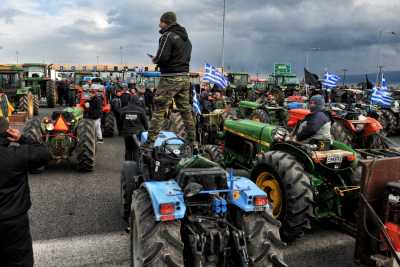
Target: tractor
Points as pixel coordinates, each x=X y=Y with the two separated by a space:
x=303 y=181
x=42 y=87
x=66 y=134
x=238 y=88
x=184 y=210
x=11 y=80
x=83 y=95
x=266 y=111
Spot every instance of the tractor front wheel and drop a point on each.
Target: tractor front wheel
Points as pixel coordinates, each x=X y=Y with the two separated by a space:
x=26 y=103
x=32 y=131
x=289 y=191
x=260 y=116
x=108 y=124
x=86 y=147
x=264 y=245
x=153 y=243
x=213 y=153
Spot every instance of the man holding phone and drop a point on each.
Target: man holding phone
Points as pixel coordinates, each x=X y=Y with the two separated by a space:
x=173 y=59
x=15 y=163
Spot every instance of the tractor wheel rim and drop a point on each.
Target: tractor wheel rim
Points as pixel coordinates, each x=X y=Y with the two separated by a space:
x=267 y=182
x=137 y=246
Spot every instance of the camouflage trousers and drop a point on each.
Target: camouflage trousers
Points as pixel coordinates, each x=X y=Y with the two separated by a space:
x=175 y=88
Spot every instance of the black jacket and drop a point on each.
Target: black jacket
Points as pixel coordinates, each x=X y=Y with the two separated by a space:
x=125 y=97
x=315 y=121
x=15 y=162
x=174 y=51
x=134 y=119
x=95 y=109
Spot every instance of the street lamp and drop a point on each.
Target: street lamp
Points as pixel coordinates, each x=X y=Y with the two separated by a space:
x=312 y=49
x=223 y=38
x=344 y=75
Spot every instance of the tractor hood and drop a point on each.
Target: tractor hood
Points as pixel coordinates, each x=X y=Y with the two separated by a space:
x=249 y=105
x=251 y=130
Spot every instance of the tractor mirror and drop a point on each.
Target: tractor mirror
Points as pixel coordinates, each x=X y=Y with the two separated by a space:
x=192 y=189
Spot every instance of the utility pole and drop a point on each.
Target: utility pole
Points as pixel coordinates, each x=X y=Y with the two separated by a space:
x=344 y=75
x=223 y=38
x=120 y=52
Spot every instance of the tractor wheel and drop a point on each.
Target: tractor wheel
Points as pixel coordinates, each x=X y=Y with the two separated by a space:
x=51 y=94
x=289 y=190
x=26 y=103
x=35 y=105
x=391 y=121
x=264 y=245
x=340 y=133
x=86 y=147
x=32 y=131
x=153 y=243
x=213 y=153
x=260 y=116
x=127 y=186
x=108 y=124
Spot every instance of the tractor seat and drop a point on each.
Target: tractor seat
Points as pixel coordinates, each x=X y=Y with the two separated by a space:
x=66 y=115
x=209 y=178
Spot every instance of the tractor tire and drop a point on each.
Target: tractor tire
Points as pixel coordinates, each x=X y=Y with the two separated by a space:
x=153 y=243
x=36 y=105
x=391 y=121
x=26 y=103
x=108 y=124
x=283 y=178
x=127 y=186
x=51 y=94
x=260 y=116
x=32 y=131
x=86 y=147
x=213 y=153
x=264 y=245
x=340 y=133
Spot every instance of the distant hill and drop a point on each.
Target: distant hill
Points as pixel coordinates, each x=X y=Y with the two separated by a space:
x=392 y=77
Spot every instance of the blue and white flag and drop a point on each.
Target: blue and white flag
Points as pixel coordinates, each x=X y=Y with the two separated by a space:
x=212 y=75
x=381 y=95
x=330 y=80
x=196 y=102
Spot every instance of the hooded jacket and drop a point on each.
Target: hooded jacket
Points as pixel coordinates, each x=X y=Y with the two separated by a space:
x=15 y=162
x=174 y=51
x=134 y=119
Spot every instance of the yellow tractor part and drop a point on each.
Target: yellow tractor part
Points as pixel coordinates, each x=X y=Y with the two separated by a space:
x=267 y=182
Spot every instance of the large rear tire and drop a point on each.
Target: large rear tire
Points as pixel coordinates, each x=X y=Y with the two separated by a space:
x=264 y=245
x=108 y=124
x=127 y=187
x=289 y=190
x=86 y=147
x=51 y=94
x=36 y=105
x=261 y=116
x=340 y=133
x=26 y=103
x=153 y=243
x=32 y=131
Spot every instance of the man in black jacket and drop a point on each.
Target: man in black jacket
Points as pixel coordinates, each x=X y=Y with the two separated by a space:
x=94 y=111
x=15 y=162
x=173 y=59
x=134 y=122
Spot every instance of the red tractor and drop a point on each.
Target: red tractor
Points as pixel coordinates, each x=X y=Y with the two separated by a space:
x=349 y=127
x=83 y=94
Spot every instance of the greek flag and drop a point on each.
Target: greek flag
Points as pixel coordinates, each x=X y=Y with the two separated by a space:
x=381 y=95
x=196 y=103
x=330 y=80
x=212 y=75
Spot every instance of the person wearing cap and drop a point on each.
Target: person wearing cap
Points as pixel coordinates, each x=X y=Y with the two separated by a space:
x=317 y=124
x=173 y=59
x=94 y=111
x=15 y=163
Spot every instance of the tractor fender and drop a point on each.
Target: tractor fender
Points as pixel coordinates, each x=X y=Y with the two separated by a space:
x=166 y=192
x=298 y=153
x=244 y=191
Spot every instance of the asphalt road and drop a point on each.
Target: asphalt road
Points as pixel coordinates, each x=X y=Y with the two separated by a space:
x=75 y=218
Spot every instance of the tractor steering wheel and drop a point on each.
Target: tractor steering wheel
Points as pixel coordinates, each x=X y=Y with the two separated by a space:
x=171 y=151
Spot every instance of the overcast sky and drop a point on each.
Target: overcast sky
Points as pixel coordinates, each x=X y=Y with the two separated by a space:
x=258 y=32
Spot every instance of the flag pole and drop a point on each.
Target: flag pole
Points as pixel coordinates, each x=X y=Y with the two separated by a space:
x=223 y=38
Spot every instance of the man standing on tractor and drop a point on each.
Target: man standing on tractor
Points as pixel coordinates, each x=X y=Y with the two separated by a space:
x=134 y=122
x=94 y=110
x=316 y=126
x=173 y=59
x=15 y=201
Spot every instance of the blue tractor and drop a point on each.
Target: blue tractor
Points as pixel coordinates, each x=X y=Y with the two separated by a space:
x=185 y=210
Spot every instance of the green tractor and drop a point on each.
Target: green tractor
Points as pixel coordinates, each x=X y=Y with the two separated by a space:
x=37 y=80
x=263 y=111
x=303 y=181
x=67 y=135
x=22 y=98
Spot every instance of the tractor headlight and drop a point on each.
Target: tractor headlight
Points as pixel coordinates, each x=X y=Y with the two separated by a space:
x=50 y=127
x=279 y=134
